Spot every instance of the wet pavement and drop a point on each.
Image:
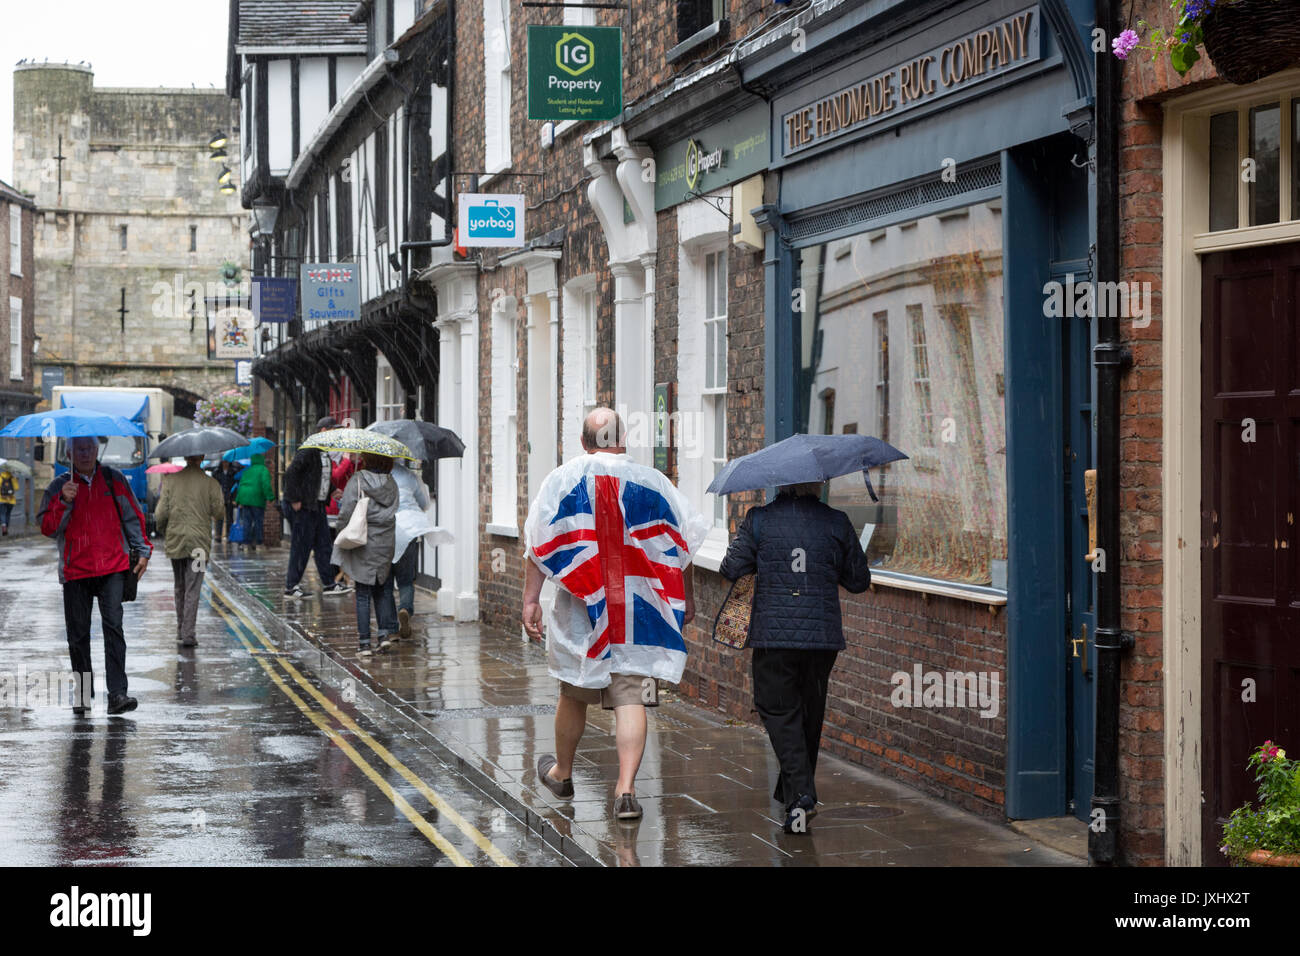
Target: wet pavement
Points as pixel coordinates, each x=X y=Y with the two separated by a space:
x=482 y=701
x=237 y=755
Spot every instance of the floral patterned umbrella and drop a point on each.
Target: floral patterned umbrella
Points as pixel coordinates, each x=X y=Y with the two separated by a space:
x=358 y=441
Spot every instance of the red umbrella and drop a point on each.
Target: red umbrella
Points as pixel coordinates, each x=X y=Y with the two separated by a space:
x=164 y=469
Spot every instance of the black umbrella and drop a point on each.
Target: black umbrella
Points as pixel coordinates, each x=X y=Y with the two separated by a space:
x=805 y=458
x=206 y=440
x=426 y=440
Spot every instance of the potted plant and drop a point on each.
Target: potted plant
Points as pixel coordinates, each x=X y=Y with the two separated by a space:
x=1244 y=39
x=1270 y=834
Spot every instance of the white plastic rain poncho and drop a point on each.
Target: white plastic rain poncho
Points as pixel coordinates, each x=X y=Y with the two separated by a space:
x=615 y=537
x=413 y=519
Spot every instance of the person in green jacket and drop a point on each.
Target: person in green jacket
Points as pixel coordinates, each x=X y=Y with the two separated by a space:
x=190 y=501
x=253 y=493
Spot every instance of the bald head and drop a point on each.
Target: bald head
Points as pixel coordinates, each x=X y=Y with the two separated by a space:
x=602 y=430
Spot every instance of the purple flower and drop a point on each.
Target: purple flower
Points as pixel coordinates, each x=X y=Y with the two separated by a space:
x=1124 y=44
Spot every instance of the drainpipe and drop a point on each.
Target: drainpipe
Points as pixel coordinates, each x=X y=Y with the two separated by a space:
x=1110 y=359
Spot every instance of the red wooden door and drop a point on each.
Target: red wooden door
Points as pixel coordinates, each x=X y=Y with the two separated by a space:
x=1250 y=476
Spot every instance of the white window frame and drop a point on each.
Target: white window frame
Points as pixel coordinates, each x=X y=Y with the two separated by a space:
x=714 y=390
x=578 y=325
x=15 y=240
x=15 y=339
x=496 y=86
x=390 y=397
x=579 y=15
x=921 y=373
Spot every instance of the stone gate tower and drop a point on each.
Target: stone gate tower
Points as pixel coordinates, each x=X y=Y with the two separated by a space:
x=129 y=215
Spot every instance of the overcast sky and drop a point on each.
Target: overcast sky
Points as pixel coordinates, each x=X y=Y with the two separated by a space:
x=129 y=43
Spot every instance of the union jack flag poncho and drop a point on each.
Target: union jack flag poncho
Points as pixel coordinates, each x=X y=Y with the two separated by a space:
x=615 y=537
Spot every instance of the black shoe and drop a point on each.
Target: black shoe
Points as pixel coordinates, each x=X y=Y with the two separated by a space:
x=796 y=818
x=561 y=788
x=80 y=711
x=120 y=703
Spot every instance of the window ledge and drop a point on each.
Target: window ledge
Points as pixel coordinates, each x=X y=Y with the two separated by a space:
x=718 y=28
x=502 y=530
x=962 y=592
x=492 y=175
x=712 y=551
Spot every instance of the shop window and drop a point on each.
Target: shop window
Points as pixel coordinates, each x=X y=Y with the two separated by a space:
x=496 y=91
x=941 y=514
x=15 y=240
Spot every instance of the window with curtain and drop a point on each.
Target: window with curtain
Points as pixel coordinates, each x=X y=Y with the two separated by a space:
x=935 y=284
x=715 y=373
x=15 y=338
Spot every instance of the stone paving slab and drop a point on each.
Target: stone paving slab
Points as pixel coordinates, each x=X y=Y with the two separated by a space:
x=484 y=698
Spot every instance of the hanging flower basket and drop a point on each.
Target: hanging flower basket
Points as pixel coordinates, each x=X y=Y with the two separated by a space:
x=1268 y=858
x=1250 y=39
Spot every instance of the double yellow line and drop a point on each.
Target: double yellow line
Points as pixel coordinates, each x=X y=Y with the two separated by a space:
x=446 y=812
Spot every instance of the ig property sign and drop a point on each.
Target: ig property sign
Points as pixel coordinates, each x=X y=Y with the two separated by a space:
x=575 y=73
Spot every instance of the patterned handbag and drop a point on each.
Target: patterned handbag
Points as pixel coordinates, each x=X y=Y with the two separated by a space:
x=731 y=626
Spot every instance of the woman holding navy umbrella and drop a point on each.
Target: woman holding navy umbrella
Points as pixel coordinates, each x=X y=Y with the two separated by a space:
x=802 y=552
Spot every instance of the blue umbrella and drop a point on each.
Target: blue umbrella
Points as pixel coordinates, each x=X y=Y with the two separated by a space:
x=70 y=423
x=244 y=453
x=805 y=458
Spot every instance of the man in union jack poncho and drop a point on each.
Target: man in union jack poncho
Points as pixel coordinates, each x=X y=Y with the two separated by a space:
x=616 y=538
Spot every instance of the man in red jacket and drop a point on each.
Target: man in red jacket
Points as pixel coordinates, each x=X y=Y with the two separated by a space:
x=97 y=522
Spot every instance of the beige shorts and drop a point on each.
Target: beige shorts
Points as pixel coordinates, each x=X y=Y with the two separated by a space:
x=623 y=689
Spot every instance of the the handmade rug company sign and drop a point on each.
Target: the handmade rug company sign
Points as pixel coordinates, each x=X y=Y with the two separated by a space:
x=575 y=73
x=330 y=292
x=951 y=68
x=490 y=219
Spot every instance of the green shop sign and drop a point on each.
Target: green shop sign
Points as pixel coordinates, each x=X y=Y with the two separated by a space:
x=575 y=73
x=720 y=155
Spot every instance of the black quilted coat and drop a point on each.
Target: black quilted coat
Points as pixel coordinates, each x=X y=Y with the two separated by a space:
x=804 y=552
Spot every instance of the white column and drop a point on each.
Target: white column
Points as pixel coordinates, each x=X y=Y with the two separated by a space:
x=468 y=512
x=450 y=490
x=554 y=403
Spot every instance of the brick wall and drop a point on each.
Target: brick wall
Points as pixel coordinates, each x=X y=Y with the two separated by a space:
x=1142 y=720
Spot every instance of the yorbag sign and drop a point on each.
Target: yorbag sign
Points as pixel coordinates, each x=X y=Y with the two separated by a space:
x=491 y=219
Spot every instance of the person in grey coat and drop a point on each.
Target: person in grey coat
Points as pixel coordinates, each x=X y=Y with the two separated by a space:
x=803 y=552
x=371 y=565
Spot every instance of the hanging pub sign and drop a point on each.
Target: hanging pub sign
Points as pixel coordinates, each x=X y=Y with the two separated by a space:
x=275 y=299
x=953 y=67
x=232 y=331
x=329 y=292
x=490 y=219
x=575 y=73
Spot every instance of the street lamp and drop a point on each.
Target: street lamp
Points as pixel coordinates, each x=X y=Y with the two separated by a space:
x=265 y=214
x=218 y=140
x=218 y=156
x=225 y=176
x=228 y=189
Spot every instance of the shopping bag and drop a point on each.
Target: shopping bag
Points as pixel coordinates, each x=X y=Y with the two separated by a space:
x=236 y=535
x=731 y=626
x=354 y=535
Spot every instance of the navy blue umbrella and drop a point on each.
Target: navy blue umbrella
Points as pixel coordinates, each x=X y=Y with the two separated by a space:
x=805 y=458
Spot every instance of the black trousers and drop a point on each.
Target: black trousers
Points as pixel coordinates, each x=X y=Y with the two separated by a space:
x=311 y=538
x=790 y=693
x=78 y=598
